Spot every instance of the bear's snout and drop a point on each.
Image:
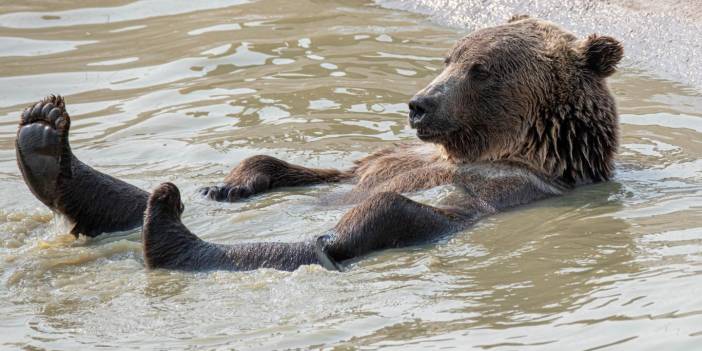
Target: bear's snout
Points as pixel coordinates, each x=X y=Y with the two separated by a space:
x=421 y=108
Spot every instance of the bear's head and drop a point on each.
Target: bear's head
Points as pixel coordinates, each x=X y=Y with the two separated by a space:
x=525 y=91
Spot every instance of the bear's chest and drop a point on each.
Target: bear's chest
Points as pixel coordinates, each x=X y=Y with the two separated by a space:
x=403 y=169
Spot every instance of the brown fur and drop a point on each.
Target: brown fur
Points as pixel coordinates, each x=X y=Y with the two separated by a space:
x=534 y=94
x=93 y=202
x=521 y=112
x=527 y=92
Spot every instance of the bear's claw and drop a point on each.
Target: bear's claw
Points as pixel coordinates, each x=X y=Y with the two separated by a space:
x=226 y=192
x=51 y=111
x=320 y=249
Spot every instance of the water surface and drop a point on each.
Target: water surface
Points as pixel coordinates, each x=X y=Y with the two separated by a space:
x=182 y=91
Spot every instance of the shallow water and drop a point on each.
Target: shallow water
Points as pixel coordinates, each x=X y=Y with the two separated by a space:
x=182 y=91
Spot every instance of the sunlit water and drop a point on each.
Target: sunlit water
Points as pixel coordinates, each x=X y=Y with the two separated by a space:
x=182 y=90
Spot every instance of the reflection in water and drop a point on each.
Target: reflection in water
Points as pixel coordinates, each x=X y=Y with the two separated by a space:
x=182 y=92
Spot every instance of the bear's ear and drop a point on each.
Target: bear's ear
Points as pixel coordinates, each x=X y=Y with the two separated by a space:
x=516 y=18
x=601 y=54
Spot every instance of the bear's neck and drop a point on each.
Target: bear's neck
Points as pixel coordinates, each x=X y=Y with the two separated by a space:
x=575 y=145
x=572 y=145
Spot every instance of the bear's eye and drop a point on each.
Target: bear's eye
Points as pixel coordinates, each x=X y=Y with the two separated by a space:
x=447 y=60
x=479 y=72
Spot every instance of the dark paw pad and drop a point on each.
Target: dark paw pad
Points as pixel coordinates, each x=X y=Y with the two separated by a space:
x=43 y=154
x=51 y=111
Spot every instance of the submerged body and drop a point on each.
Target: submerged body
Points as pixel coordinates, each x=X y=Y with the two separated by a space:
x=520 y=113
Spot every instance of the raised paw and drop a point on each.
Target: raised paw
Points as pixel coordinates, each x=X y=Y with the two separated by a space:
x=226 y=192
x=43 y=153
x=44 y=127
x=51 y=111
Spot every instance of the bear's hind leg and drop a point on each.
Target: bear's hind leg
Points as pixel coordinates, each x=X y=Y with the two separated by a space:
x=169 y=244
x=388 y=220
x=93 y=201
x=383 y=221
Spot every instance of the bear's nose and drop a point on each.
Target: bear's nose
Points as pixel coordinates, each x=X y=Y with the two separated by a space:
x=420 y=107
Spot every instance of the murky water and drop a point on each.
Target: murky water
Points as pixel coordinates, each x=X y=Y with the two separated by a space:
x=183 y=90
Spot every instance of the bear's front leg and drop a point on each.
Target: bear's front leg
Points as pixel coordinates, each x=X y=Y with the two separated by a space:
x=261 y=173
x=389 y=220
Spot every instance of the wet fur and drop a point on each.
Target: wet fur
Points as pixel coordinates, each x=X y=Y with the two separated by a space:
x=169 y=244
x=94 y=202
x=521 y=112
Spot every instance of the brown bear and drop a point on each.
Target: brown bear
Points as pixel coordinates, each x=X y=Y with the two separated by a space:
x=520 y=112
